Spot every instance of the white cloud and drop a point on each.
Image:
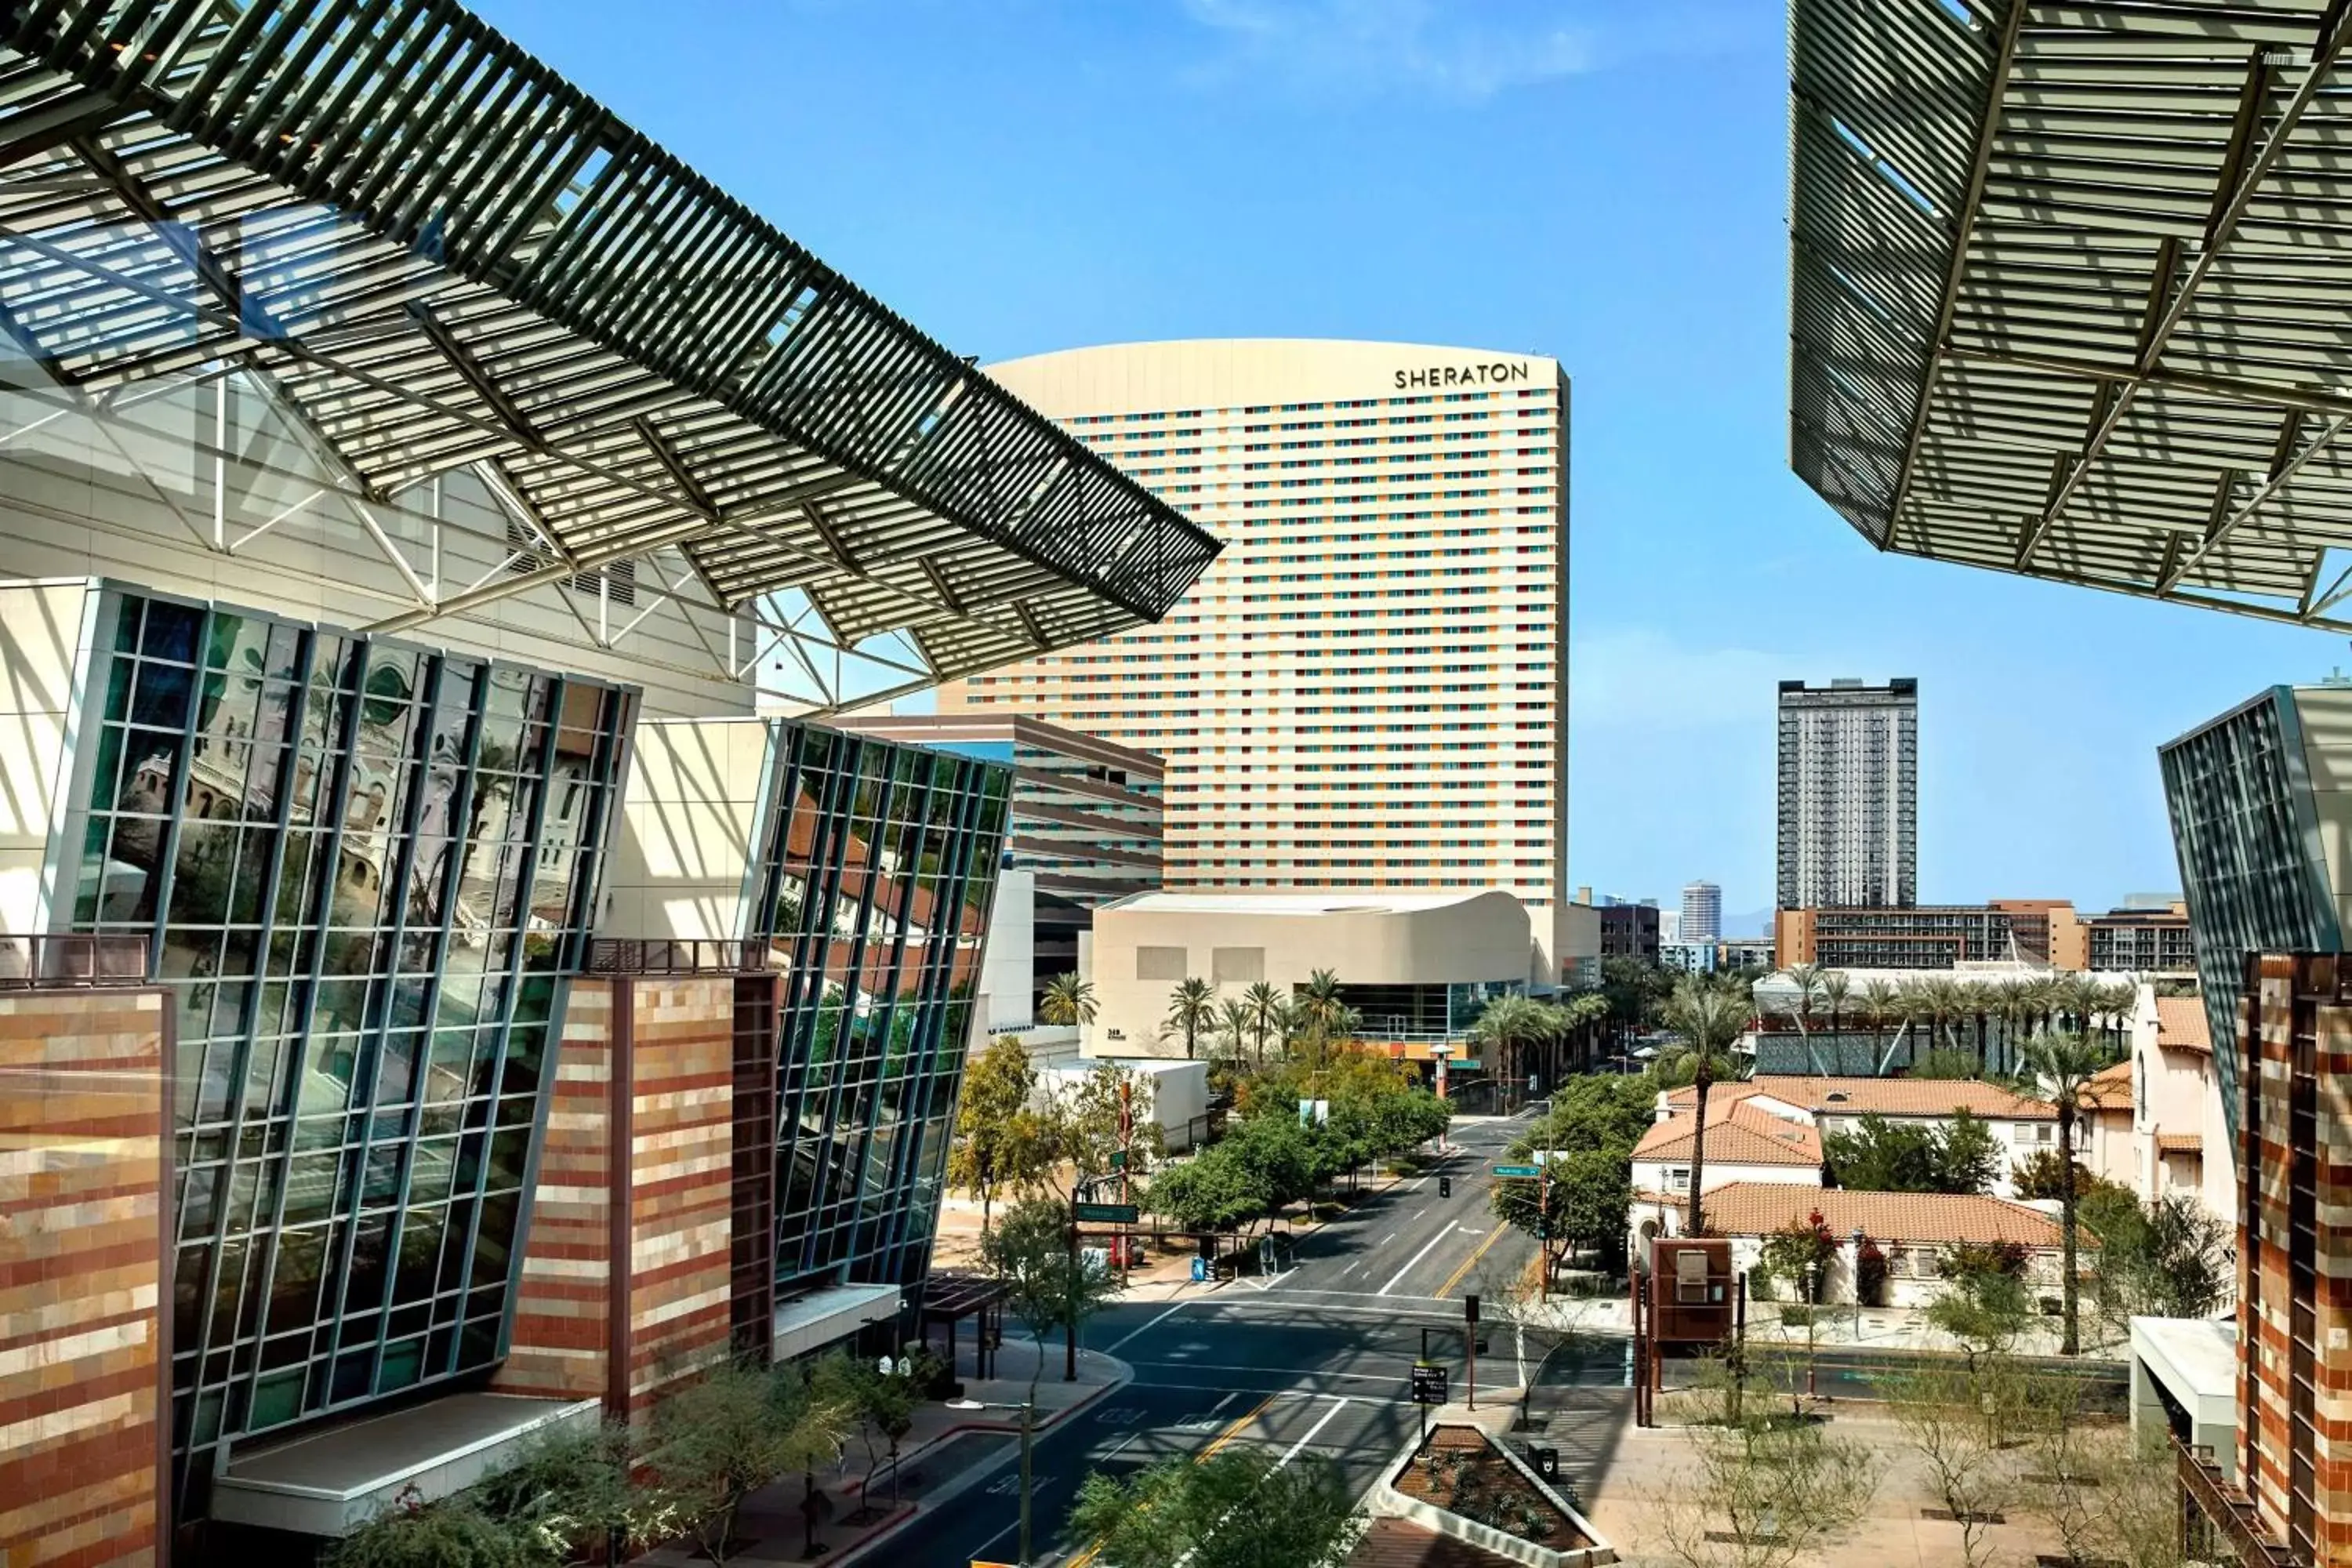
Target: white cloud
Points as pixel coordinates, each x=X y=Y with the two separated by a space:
x=1362 y=47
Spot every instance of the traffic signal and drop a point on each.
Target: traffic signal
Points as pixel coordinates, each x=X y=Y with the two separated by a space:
x=1445 y=1186
x=1470 y=1311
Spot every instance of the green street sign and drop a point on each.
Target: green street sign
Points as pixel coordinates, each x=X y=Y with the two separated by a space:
x=1528 y=1171
x=1118 y=1158
x=1107 y=1213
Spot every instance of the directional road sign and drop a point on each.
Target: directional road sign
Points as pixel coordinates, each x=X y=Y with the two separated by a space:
x=1429 y=1386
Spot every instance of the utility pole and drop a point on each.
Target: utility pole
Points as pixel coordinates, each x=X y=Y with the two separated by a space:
x=1543 y=1222
x=1126 y=1166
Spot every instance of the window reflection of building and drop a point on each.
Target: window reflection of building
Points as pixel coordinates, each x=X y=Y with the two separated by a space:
x=878 y=868
x=350 y=862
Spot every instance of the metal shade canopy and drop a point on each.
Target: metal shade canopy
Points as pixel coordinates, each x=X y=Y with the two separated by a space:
x=441 y=255
x=2071 y=290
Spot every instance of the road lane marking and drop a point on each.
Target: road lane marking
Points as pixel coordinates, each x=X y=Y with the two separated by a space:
x=1480 y=1251
x=1292 y=1452
x=1273 y=1371
x=1230 y=1433
x=1150 y=1326
x=1416 y=1258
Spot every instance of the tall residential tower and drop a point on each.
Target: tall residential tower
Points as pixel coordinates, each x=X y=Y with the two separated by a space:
x=1702 y=913
x=1369 y=689
x=1849 y=794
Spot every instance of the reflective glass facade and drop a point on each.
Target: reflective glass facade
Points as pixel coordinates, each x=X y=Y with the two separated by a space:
x=363 y=868
x=2253 y=868
x=873 y=891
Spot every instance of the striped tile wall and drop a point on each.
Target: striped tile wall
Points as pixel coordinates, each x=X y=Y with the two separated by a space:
x=82 y=1171
x=672 y=1036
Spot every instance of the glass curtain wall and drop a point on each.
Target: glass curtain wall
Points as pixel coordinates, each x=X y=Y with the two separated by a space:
x=879 y=865
x=365 y=869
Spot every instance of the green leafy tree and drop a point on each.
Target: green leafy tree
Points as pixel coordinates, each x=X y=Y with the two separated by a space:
x=1942 y=1063
x=1049 y=1282
x=1068 y=1002
x=998 y=1141
x=1583 y=1206
x=573 y=1488
x=450 y=1532
x=880 y=1407
x=1881 y=1155
x=1241 y=1507
x=1193 y=1012
x=1800 y=1254
x=1322 y=1012
x=717 y=1441
x=2169 y=1258
x=1984 y=1303
x=2064 y=1063
x=1635 y=993
x=1212 y=1192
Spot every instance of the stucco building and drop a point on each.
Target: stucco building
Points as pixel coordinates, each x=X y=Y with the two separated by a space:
x=1369 y=690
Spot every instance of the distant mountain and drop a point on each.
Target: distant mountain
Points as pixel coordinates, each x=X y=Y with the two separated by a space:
x=1758 y=922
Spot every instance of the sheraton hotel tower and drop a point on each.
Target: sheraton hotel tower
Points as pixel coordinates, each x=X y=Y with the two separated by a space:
x=439 y=984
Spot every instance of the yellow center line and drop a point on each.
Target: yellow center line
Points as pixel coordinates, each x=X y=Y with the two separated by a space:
x=1223 y=1437
x=1493 y=1235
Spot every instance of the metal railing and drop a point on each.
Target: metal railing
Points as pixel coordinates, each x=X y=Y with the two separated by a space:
x=2225 y=1509
x=67 y=962
x=679 y=955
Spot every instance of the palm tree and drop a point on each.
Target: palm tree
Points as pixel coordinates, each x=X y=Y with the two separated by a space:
x=1319 y=1006
x=1977 y=1001
x=1235 y=1019
x=1068 y=1001
x=1707 y=1019
x=1512 y=1022
x=2064 y=1063
x=1882 y=1003
x=1943 y=997
x=1266 y=1006
x=1833 y=987
x=2118 y=1000
x=1915 y=1005
x=1192 y=1008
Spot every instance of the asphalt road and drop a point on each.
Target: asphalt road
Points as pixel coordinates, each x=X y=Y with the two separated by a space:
x=1314 y=1360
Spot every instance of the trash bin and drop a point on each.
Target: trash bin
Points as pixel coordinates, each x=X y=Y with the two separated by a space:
x=1546 y=1459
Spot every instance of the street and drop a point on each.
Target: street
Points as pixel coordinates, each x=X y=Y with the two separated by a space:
x=1314 y=1360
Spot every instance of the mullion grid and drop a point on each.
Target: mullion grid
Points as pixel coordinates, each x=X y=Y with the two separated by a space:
x=929 y=824
x=237 y=706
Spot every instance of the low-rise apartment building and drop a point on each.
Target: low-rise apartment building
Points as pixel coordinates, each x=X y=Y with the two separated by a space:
x=2139 y=938
x=2019 y=1125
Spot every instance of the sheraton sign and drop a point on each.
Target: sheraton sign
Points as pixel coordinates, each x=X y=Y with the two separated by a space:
x=1493 y=374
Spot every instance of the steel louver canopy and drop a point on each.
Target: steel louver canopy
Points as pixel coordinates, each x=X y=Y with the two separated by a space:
x=2071 y=290
x=442 y=254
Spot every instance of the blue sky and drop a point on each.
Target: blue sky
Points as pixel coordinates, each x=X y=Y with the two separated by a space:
x=1603 y=181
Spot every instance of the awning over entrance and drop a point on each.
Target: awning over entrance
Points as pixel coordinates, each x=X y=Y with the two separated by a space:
x=814 y=1320
x=329 y=1480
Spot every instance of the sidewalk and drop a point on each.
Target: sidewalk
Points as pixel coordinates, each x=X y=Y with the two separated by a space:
x=1836 y=1326
x=945 y=1452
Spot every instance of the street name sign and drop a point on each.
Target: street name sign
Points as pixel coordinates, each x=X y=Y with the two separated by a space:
x=1112 y=1214
x=1529 y=1171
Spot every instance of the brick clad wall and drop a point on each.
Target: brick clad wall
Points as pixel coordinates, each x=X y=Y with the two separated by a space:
x=673 y=1038
x=2297 y=1321
x=562 y=1310
x=82 y=1161
x=682 y=1054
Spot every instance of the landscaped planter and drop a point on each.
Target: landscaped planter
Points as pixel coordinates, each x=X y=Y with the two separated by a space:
x=1464 y=1484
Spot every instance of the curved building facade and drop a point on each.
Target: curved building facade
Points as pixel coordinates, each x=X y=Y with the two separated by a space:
x=1367 y=688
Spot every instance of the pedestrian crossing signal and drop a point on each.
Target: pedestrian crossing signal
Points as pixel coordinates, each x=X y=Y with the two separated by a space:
x=1445 y=1186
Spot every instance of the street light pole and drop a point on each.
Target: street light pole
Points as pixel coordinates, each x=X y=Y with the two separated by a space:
x=1028 y=1409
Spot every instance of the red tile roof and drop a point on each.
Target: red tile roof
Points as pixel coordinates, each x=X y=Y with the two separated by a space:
x=2179 y=1143
x=1885 y=1096
x=1738 y=1133
x=2181 y=1024
x=1759 y=1208
x=2109 y=1088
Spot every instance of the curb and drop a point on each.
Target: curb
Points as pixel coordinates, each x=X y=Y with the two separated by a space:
x=1121 y=1376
